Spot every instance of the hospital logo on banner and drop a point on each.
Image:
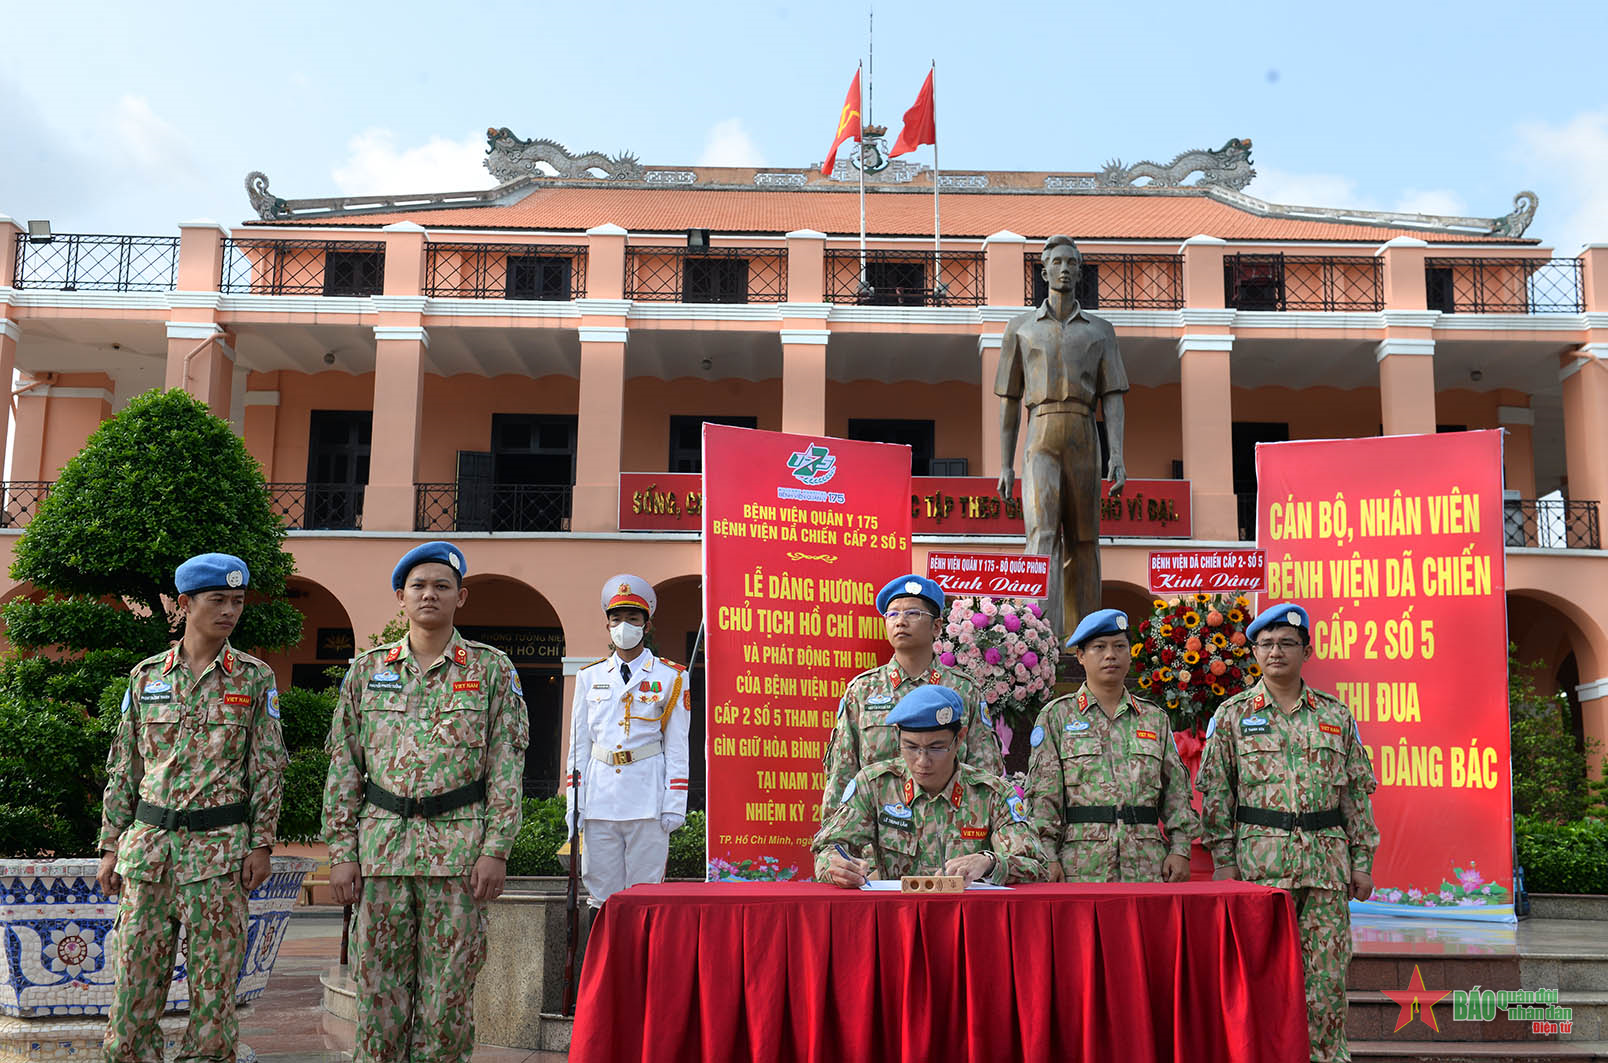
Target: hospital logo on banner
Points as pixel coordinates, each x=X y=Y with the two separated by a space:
x=813 y=465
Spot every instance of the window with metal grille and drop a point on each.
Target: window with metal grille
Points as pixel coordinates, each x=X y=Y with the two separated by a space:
x=1438 y=289
x=1256 y=282
x=917 y=435
x=714 y=280
x=686 y=438
x=358 y=273
x=539 y=277
x=896 y=283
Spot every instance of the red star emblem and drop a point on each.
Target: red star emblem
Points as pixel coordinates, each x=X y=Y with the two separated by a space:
x=1415 y=996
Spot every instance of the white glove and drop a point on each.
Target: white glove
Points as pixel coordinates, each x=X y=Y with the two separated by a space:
x=671 y=822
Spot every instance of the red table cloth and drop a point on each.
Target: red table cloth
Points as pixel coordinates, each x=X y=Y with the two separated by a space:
x=1197 y=972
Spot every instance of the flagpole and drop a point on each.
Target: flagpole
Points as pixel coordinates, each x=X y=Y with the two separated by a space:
x=860 y=146
x=935 y=181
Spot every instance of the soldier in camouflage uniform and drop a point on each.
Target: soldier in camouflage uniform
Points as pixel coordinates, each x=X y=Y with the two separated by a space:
x=427 y=755
x=1104 y=776
x=928 y=813
x=913 y=607
x=1284 y=781
x=193 y=785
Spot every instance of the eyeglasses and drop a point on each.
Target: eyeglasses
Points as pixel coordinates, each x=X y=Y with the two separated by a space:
x=929 y=752
x=1283 y=645
x=911 y=615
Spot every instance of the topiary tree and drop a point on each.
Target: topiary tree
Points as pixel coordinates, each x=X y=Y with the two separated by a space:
x=160 y=482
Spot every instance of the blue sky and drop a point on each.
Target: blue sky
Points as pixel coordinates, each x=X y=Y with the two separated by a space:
x=129 y=118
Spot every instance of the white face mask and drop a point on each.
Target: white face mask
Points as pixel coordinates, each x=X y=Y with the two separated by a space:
x=626 y=636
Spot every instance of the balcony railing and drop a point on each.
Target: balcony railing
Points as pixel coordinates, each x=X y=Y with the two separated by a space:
x=303 y=267
x=547 y=272
x=716 y=275
x=82 y=263
x=469 y=506
x=904 y=278
x=1116 y=282
x=1504 y=285
x=1303 y=282
x=1557 y=523
x=310 y=507
x=21 y=500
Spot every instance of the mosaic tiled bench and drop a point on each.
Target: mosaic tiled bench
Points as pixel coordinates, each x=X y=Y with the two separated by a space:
x=54 y=929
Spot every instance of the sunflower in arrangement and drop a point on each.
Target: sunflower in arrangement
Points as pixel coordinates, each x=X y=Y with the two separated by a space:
x=1192 y=654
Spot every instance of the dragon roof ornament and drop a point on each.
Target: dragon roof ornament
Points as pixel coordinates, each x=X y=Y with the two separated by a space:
x=1227 y=167
x=509 y=158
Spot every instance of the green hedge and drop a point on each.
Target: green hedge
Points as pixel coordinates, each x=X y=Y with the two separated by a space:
x=543 y=833
x=1563 y=857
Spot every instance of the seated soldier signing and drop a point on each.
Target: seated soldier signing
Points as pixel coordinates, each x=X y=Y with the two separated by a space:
x=927 y=812
x=1104 y=775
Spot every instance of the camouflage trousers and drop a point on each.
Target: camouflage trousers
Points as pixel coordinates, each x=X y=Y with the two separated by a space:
x=1325 y=921
x=419 y=943
x=149 y=914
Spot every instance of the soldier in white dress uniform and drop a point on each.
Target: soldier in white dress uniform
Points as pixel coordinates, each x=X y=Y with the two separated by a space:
x=628 y=739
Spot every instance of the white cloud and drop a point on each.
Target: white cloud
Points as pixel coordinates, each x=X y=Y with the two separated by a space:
x=1304 y=189
x=150 y=142
x=728 y=144
x=374 y=165
x=1575 y=156
x=1431 y=201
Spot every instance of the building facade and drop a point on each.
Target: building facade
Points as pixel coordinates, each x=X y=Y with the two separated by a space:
x=486 y=366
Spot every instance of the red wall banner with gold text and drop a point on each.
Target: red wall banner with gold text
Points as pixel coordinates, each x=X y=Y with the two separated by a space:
x=799 y=534
x=1395 y=547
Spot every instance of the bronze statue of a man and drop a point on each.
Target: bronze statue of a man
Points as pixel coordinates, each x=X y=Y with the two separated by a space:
x=1059 y=360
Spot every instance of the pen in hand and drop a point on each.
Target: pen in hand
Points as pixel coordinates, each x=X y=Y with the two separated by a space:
x=854 y=865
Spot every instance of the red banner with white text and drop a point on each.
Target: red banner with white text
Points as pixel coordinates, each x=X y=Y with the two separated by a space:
x=799 y=534
x=1394 y=545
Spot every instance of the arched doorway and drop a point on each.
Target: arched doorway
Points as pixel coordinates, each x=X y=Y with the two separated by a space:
x=514 y=617
x=1550 y=643
x=326 y=641
x=675 y=628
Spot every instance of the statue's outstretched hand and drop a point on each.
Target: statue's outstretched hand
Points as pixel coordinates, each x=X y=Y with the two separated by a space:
x=1118 y=475
x=1007 y=481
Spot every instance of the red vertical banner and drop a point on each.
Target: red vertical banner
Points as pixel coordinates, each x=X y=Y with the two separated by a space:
x=799 y=534
x=1395 y=547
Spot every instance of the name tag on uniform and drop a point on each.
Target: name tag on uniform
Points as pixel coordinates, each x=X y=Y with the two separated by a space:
x=156 y=692
x=1329 y=729
x=237 y=699
x=465 y=684
x=388 y=682
x=897 y=817
x=1254 y=725
x=1149 y=736
x=973 y=833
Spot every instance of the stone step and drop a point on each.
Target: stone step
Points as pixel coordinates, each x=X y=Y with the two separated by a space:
x=1371 y=1015
x=1558 y=970
x=1479 y=1052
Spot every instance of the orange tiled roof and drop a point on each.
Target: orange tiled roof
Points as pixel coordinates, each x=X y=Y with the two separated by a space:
x=729 y=210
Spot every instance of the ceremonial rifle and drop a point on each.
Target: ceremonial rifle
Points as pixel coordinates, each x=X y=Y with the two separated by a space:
x=572 y=899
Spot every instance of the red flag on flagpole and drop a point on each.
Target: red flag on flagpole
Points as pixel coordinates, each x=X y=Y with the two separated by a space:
x=848 y=126
x=920 y=127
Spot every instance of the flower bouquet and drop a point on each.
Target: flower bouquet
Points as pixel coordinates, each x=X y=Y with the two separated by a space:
x=1192 y=655
x=1009 y=650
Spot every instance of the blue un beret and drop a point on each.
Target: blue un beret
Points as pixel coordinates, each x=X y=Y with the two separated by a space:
x=911 y=586
x=211 y=572
x=441 y=552
x=1100 y=622
x=1283 y=613
x=927 y=708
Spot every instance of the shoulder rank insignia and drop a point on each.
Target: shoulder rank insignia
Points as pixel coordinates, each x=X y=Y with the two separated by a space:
x=393 y=654
x=909 y=790
x=228 y=661
x=934 y=676
x=893 y=675
x=1083 y=700
x=461 y=656
x=955 y=794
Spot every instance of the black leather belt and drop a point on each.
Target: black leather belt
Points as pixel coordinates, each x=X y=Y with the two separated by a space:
x=434 y=805
x=192 y=819
x=1267 y=817
x=1131 y=814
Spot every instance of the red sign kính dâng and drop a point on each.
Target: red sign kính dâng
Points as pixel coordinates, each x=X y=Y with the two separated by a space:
x=994 y=575
x=1208 y=571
